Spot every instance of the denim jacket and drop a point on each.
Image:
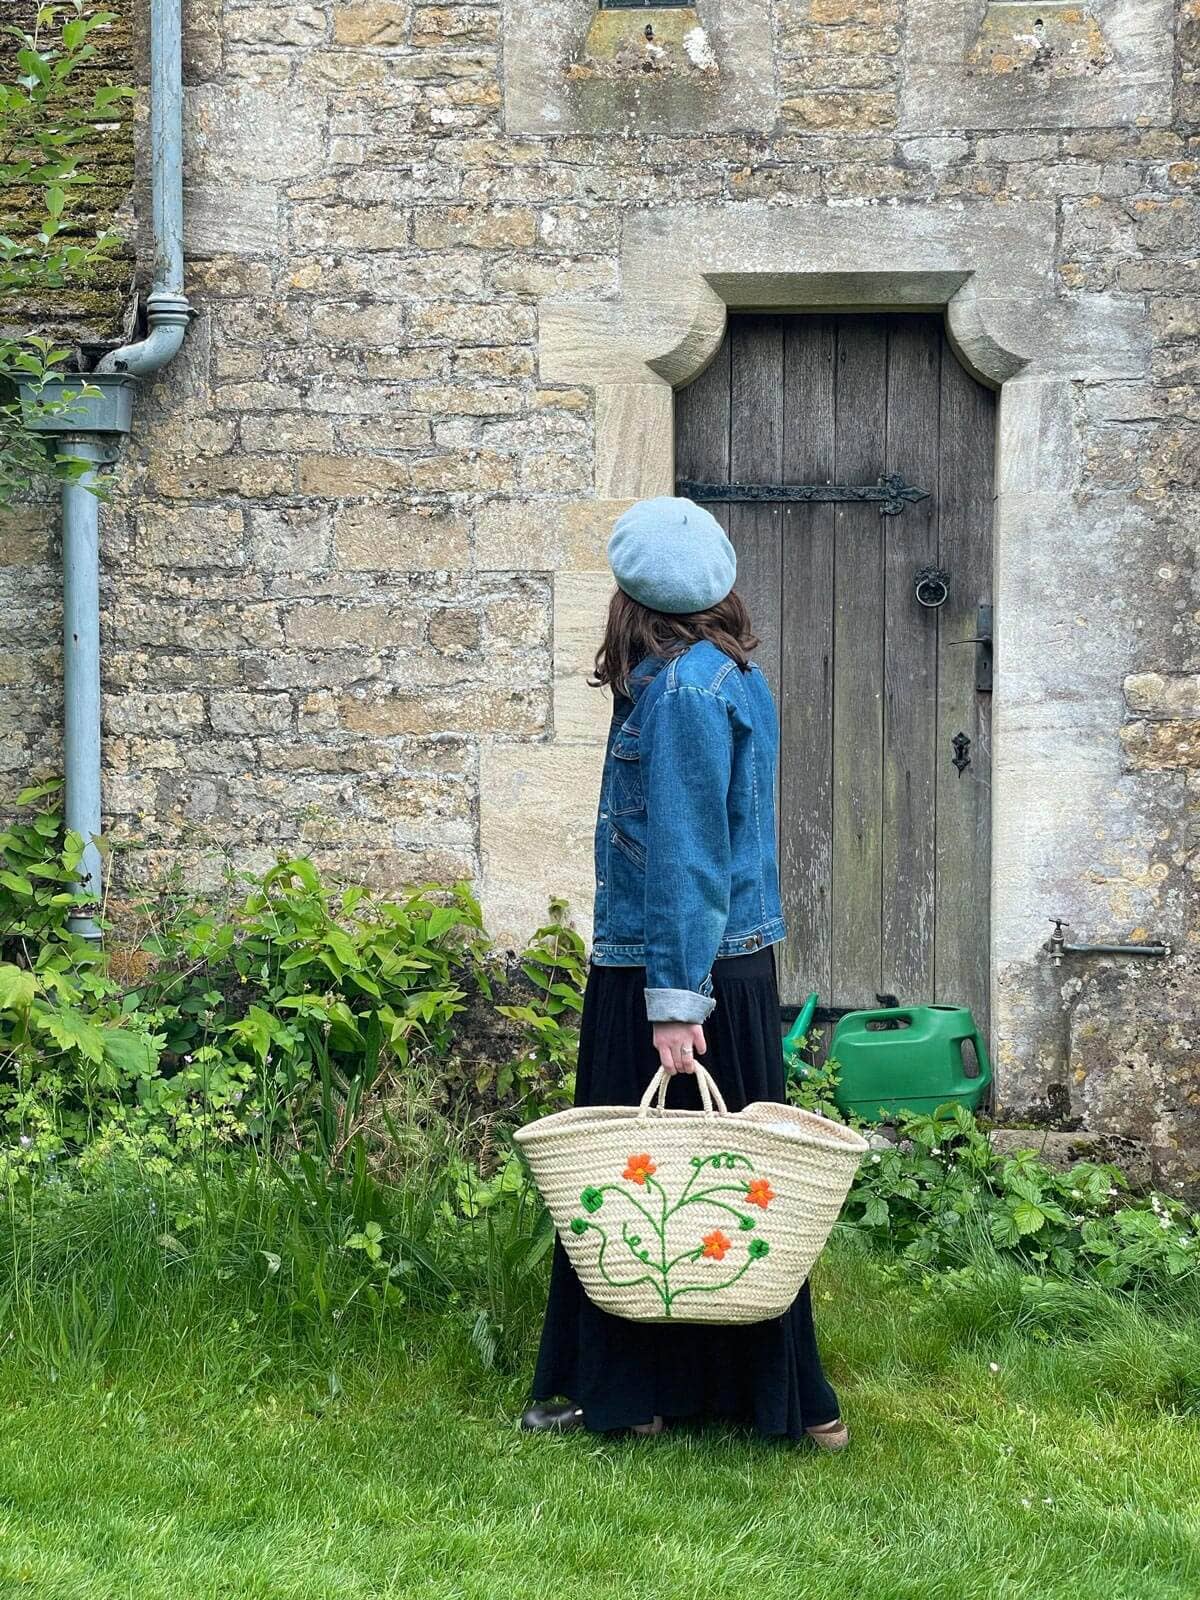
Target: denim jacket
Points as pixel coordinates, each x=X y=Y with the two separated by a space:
x=685 y=831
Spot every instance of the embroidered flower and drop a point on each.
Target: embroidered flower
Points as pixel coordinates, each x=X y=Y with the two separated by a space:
x=758 y=1249
x=715 y=1245
x=759 y=1192
x=639 y=1168
x=579 y=1225
x=591 y=1199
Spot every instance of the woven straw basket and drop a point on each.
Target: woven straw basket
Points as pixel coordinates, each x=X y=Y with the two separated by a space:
x=692 y=1216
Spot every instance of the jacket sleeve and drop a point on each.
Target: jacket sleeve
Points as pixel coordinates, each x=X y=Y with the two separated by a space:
x=687 y=758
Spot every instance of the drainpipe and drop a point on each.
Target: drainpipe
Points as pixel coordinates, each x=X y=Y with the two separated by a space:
x=91 y=429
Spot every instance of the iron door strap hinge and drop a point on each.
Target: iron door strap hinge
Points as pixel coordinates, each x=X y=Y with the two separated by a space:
x=890 y=490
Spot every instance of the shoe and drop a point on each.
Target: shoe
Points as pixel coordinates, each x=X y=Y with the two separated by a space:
x=648 y=1428
x=552 y=1416
x=831 y=1436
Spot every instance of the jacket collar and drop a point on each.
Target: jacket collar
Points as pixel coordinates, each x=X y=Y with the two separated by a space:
x=645 y=672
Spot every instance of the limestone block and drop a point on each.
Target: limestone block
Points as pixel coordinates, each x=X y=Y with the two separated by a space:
x=248 y=132
x=580 y=607
x=635 y=440
x=335 y=627
x=175 y=536
x=372 y=24
x=537 y=816
x=463 y=323
x=153 y=713
x=456 y=25
x=291 y=539
x=1161 y=745
x=545 y=535
x=235 y=712
x=569 y=68
x=374 y=537
x=483 y=709
x=1018 y=66
x=1159 y=694
x=288 y=25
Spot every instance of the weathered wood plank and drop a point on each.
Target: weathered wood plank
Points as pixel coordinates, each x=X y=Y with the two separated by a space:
x=806 y=672
x=858 y=606
x=756 y=455
x=910 y=664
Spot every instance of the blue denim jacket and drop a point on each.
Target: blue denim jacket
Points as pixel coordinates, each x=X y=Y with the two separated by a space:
x=685 y=831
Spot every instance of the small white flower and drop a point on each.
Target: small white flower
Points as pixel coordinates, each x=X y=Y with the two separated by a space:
x=936 y=1151
x=993 y=1366
x=1164 y=1222
x=877 y=1159
x=1026 y=1502
x=26 y=1141
x=1112 y=1191
x=1076 y=1195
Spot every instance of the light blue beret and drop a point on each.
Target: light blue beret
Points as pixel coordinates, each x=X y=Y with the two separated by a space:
x=671 y=555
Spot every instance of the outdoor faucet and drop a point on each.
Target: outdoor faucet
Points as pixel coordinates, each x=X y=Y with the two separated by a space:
x=1057 y=946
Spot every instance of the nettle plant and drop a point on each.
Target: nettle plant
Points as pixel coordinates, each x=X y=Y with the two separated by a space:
x=49 y=123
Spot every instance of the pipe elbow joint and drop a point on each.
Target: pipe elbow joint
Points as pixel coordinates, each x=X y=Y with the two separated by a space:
x=168 y=315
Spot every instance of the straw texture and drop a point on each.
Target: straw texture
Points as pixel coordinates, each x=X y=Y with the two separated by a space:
x=692 y=1216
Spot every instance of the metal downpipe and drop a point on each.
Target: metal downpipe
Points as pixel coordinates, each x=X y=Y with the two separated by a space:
x=167 y=309
x=94 y=437
x=81 y=668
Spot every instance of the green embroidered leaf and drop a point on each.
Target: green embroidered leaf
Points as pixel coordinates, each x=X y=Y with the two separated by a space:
x=746 y=1223
x=579 y=1225
x=591 y=1199
x=758 y=1249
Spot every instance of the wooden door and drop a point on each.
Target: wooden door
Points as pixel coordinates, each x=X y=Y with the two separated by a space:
x=884 y=811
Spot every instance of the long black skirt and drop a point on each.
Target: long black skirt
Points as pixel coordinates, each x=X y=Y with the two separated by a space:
x=765 y=1374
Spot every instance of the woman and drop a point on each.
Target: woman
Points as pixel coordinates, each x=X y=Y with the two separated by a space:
x=687 y=914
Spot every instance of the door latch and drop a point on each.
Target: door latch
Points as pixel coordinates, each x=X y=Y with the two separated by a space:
x=982 y=640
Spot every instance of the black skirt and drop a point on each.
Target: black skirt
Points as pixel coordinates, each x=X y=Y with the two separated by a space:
x=765 y=1374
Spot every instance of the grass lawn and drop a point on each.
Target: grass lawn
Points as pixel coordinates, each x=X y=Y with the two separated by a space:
x=201 y=1467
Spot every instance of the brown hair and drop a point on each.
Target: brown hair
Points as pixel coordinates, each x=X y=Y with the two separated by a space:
x=634 y=631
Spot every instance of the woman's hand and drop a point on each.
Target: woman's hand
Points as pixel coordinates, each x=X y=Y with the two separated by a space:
x=678 y=1044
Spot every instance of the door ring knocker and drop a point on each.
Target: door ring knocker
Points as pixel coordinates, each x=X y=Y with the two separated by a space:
x=932 y=587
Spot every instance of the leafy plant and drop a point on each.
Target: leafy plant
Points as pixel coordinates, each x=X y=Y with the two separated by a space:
x=46 y=122
x=543 y=1077
x=933 y=1195
x=811 y=1087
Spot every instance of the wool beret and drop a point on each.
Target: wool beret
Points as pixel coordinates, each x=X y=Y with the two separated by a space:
x=671 y=555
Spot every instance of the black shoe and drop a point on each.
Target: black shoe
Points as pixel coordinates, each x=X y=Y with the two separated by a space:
x=552 y=1416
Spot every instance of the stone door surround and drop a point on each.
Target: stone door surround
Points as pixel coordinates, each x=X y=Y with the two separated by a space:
x=1057 y=707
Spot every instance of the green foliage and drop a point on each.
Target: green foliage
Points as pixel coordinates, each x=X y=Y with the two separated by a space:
x=543 y=1077
x=933 y=1197
x=811 y=1087
x=284 y=1009
x=46 y=121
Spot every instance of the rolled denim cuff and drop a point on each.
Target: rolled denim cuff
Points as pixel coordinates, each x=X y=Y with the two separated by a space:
x=678 y=1005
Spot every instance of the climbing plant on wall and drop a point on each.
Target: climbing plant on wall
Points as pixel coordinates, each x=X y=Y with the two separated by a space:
x=51 y=115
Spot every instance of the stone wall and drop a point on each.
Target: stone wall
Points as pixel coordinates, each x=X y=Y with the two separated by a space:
x=354 y=556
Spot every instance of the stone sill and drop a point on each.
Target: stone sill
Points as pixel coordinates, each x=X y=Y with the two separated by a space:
x=645 y=44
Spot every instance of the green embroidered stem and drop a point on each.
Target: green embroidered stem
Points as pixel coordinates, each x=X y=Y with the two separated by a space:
x=717 y=1188
x=618 y=1283
x=708 y=1288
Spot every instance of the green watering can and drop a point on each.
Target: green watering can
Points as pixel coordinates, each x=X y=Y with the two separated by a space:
x=908 y=1058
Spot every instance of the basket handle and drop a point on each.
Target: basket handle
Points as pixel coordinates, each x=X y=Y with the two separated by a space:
x=711 y=1097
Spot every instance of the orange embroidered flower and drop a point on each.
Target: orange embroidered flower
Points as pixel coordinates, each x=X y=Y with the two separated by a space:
x=715 y=1245
x=759 y=1192
x=639 y=1168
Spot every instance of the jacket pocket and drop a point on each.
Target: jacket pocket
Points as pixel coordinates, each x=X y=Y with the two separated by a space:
x=629 y=847
x=627 y=793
